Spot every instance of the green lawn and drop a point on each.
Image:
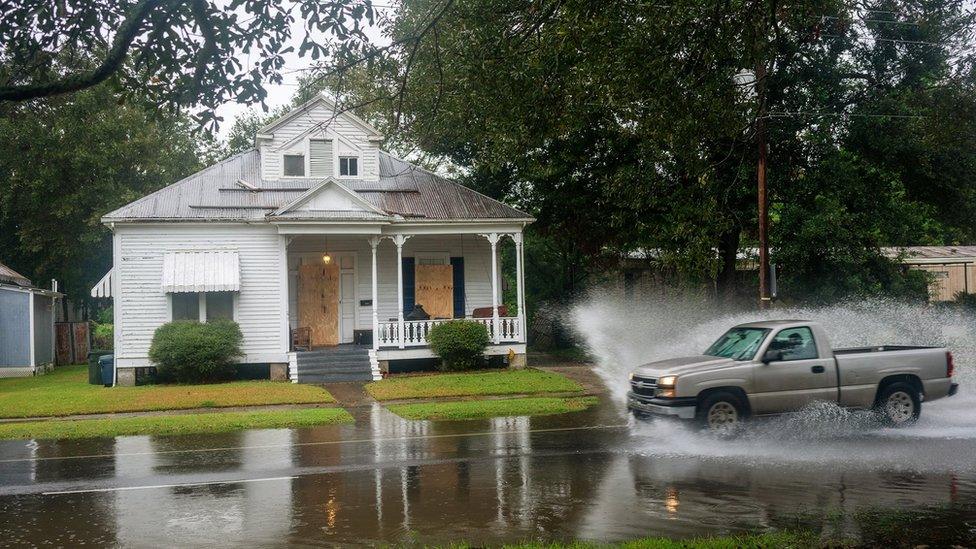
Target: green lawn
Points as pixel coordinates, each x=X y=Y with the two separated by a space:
x=485 y=383
x=66 y=391
x=178 y=424
x=479 y=409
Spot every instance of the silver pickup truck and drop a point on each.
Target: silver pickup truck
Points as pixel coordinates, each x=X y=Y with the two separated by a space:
x=774 y=367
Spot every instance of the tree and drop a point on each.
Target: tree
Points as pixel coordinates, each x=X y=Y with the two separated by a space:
x=172 y=52
x=619 y=126
x=66 y=161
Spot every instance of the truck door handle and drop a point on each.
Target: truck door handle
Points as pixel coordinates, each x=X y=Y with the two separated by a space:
x=817 y=369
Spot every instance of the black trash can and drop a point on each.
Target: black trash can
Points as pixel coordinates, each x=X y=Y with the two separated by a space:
x=105 y=363
x=94 y=370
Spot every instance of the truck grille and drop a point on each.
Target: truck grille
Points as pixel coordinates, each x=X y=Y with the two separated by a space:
x=644 y=386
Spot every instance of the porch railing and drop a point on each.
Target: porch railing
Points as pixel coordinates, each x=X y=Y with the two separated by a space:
x=415 y=331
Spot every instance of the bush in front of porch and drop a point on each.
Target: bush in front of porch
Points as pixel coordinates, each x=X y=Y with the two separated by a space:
x=187 y=351
x=460 y=344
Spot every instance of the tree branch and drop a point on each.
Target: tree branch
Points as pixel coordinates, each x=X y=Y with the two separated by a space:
x=113 y=60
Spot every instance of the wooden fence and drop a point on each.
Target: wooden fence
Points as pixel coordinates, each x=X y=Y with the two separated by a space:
x=72 y=342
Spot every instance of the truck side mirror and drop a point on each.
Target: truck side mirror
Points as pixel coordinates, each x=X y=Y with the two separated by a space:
x=772 y=356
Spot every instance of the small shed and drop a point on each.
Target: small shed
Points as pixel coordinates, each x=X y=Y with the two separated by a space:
x=953 y=268
x=26 y=325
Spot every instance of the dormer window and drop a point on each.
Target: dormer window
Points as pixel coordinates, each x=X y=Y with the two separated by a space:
x=349 y=166
x=293 y=165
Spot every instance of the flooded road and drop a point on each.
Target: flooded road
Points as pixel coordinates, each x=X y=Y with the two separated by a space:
x=591 y=475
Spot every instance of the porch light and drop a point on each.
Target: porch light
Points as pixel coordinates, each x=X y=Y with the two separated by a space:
x=327 y=258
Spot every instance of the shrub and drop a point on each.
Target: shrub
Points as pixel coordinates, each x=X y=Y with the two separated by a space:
x=188 y=351
x=103 y=336
x=460 y=344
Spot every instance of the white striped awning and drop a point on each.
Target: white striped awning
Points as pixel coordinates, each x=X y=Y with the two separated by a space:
x=201 y=271
x=104 y=286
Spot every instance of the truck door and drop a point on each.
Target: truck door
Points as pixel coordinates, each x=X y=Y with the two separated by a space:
x=801 y=376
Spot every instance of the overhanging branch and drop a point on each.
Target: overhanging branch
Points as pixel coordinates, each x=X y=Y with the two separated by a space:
x=127 y=33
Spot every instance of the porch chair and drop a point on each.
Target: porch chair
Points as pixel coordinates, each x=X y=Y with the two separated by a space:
x=301 y=339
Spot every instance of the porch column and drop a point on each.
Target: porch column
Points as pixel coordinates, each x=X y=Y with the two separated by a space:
x=520 y=284
x=400 y=240
x=373 y=243
x=493 y=239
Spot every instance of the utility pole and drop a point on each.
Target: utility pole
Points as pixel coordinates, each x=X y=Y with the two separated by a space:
x=764 y=298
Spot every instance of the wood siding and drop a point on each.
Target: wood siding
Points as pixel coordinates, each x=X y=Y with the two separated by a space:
x=142 y=306
x=949 y=280
x=290 y=135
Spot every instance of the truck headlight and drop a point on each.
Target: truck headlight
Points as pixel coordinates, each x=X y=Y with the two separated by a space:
x=667 y=382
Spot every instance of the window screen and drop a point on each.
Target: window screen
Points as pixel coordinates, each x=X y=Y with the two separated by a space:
x=186 y=306
x=348 y=165
x=220 y=305
x=294 y=165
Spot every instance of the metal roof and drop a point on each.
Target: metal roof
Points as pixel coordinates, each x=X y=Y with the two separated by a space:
x=201 y=271
x=214 y=194
x=932 y=253
x=13 y=277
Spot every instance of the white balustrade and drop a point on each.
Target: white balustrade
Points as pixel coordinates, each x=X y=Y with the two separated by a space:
x=415 y=331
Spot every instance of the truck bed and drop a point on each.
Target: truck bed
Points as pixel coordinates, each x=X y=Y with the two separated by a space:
x=880 y=349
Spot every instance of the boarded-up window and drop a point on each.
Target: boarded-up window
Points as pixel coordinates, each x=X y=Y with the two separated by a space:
x=320 y=157
x=435 y=290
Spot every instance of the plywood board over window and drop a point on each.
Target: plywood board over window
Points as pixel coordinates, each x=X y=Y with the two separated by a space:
x=435 y=290
x=318 y=302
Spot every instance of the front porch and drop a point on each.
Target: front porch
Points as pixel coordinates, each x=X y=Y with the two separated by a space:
x=368 y=289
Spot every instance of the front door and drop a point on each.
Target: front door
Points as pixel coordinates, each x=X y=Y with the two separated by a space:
x=318 y=302
x=347 y=296
x=801 y=377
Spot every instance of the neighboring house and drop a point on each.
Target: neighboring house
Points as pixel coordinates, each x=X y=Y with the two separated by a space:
x=26 y=325
x=314 y=237
x=953 y=268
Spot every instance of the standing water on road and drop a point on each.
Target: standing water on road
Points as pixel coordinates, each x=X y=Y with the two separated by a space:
x=592 y=475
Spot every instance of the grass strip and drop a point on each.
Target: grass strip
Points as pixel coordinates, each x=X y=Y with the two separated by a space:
x=478 y=409
x=770 y=540
x=178 y=424
x=484 y=383
x=66 y=391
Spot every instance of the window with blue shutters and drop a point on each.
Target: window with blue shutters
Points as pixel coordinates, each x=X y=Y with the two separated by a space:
x=408 y=285
x=457 y=264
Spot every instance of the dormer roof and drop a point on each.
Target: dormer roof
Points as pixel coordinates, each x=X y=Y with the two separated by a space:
x=324 y=100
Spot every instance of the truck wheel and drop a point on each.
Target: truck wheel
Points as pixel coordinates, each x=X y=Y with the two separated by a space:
x=899 y=405
x=721 y=413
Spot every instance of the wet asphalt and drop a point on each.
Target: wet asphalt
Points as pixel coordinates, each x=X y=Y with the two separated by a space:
x=593 y=475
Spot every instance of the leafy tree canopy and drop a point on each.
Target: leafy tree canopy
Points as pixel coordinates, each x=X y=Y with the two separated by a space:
x=622 y=126
x=173 y=52
x=68 y=160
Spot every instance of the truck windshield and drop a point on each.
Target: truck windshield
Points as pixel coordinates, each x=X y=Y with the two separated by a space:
x=738 y=343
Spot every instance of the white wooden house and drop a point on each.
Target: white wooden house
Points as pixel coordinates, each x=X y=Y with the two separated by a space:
x=315 y=232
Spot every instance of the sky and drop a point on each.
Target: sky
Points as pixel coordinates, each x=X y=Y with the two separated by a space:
x=281 y=94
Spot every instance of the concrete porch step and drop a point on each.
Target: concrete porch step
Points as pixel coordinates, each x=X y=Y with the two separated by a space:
x=302 y=366
x=333 y=378
x=332 y=369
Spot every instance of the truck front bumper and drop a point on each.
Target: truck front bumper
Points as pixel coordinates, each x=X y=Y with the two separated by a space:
x=683 y=408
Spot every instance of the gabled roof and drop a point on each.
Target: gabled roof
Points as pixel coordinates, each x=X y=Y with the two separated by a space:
x=402 y=189
x=320 y=99
x=10 y=276
x=295 y=206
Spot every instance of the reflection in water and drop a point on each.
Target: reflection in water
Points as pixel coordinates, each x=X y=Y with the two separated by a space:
x=485 y=482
